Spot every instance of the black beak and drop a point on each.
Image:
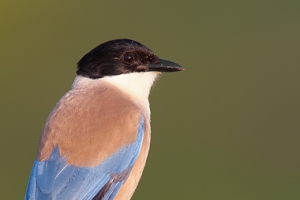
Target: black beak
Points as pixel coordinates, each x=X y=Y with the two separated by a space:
x=164 y=66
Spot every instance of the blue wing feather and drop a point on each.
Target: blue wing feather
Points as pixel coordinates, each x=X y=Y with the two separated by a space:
x=54 y=179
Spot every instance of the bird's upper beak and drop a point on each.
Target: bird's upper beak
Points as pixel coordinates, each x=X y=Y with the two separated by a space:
x=163 y=65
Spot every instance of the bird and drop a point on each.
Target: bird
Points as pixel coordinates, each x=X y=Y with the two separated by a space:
x=96 y=140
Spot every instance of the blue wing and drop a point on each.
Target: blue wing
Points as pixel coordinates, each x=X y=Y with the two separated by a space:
x=54 y=179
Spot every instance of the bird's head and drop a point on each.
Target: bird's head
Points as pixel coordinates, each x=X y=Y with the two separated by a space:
x=122 y=56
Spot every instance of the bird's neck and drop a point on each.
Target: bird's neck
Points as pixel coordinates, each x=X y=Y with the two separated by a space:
x=136 y=85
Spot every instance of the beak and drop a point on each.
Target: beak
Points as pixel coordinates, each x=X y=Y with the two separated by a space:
x=164 y=66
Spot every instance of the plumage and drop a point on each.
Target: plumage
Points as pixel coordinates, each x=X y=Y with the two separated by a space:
x=95 y=142
x=55 y=179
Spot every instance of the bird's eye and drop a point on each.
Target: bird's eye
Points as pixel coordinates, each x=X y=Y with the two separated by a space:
x=128 y=58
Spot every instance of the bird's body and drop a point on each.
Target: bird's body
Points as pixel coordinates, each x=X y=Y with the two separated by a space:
x=95 y=142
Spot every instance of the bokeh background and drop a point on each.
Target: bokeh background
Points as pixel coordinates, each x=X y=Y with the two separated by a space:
x=227 y=128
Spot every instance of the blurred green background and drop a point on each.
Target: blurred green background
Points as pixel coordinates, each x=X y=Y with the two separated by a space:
x=227 y=128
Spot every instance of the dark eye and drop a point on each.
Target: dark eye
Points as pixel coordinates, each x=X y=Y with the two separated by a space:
x=128 y=58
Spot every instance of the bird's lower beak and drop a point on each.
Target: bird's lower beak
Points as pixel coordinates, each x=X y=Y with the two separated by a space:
x=164 y=66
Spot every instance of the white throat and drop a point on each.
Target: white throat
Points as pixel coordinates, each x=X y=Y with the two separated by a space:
x=136 y=85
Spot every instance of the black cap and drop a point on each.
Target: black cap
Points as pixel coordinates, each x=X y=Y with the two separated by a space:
x=122 y=56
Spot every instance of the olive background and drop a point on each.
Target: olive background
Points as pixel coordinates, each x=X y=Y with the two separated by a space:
x=226 y=128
